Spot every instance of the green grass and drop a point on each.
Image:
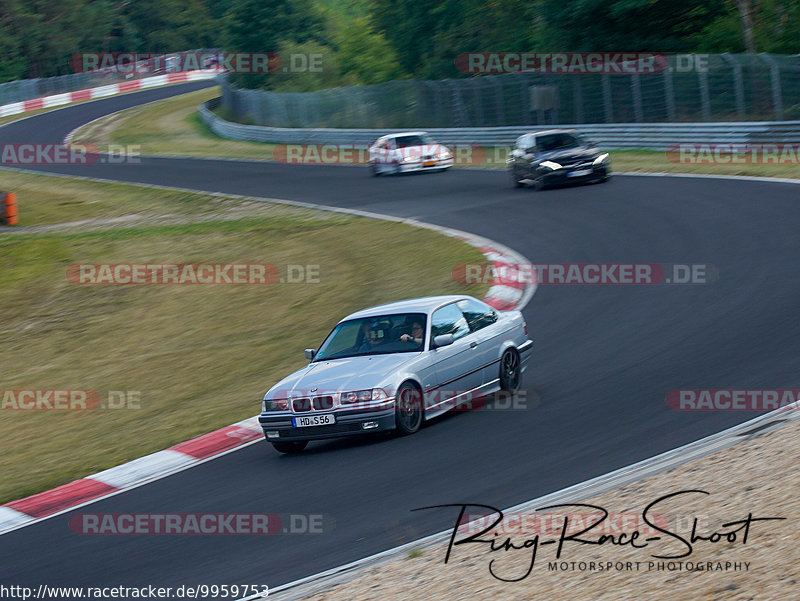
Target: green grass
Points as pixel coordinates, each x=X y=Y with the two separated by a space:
x=170 y=127
x=44 y=199
x=200 y=356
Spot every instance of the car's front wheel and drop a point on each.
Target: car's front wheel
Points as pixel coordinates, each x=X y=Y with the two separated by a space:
x=408 y=409
x=289 y=447
x=518 y=183
x=510 y=371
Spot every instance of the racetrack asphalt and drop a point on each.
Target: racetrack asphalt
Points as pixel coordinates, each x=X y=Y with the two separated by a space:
x=605 y=357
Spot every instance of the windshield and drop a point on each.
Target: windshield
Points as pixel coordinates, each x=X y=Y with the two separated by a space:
x=415 y=140
x=557 y=142
x=398 y=333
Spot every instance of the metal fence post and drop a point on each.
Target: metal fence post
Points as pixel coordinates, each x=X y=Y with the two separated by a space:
x=437 y=102
x=577 y=97
x=476 y=94
x=775 y=79
x=498 y=94
x=636 y=90
x=738 y=85
x=669 y=92
x=607 y=106
x=525 y=99
x=705 y=102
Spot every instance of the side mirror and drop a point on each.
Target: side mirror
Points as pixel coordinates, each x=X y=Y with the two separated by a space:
x=530 y=150
x=310 y=353
x=443 y=340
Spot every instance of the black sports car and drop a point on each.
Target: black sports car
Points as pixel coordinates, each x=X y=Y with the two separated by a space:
x=556 y=156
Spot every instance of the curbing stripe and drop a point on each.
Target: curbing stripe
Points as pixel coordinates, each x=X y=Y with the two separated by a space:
x=142 y=469
x=121 y=87
x=52 y=501
x=213 y=443
x=11 y=518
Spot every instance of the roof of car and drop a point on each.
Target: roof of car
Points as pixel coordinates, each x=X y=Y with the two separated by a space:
x=414 y=305
x=405 y=133
x=546 y=132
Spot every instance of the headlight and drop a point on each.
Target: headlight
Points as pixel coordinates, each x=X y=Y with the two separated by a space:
x=601 y=159
x=275 y=405
x=445 y=155
x=363 y=396
x=410 y=159
x=550 y=165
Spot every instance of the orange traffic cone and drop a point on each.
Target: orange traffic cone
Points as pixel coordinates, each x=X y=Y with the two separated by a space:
x=11 y=209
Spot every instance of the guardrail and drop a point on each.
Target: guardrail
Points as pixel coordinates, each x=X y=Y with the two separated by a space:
x=22 y=90
x=650 y=136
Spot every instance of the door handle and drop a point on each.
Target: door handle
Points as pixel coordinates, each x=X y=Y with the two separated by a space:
x=473 y=344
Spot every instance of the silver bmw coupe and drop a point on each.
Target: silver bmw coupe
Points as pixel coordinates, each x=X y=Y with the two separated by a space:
x=393 y=366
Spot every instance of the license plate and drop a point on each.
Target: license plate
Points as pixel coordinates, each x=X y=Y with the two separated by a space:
x=579 y=173
x=313 y=420
x=429 y=163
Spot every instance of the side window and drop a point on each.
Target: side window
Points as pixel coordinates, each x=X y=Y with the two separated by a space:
x=478 y=314
x=449 y=320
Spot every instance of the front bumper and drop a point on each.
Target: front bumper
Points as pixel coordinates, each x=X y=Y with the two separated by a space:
x=432 y=165
x=348 y=422
x=525 y=352
x=573 y=174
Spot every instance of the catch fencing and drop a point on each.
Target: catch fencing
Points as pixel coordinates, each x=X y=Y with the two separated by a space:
x=690 y=88
x=651 y=136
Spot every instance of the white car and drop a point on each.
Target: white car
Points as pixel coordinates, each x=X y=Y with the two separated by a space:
x=408 y=151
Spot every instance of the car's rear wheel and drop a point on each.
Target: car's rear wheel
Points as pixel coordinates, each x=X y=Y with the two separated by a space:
x=510 y=371
x=290 y=447
x=408 y=409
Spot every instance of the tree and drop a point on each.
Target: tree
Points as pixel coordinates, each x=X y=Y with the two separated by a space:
x=366 y=57
x=263 y=25
x=746 y=15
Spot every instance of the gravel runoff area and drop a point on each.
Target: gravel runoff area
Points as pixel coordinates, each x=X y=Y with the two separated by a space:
x=757 y=477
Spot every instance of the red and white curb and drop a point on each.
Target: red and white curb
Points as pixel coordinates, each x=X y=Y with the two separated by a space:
x=23 y=512
x=129 y=475
x=45 y=102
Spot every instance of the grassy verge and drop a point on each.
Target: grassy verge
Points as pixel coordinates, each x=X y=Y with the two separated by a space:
x=199 y=356
x=169 y=127
x=172 y=127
